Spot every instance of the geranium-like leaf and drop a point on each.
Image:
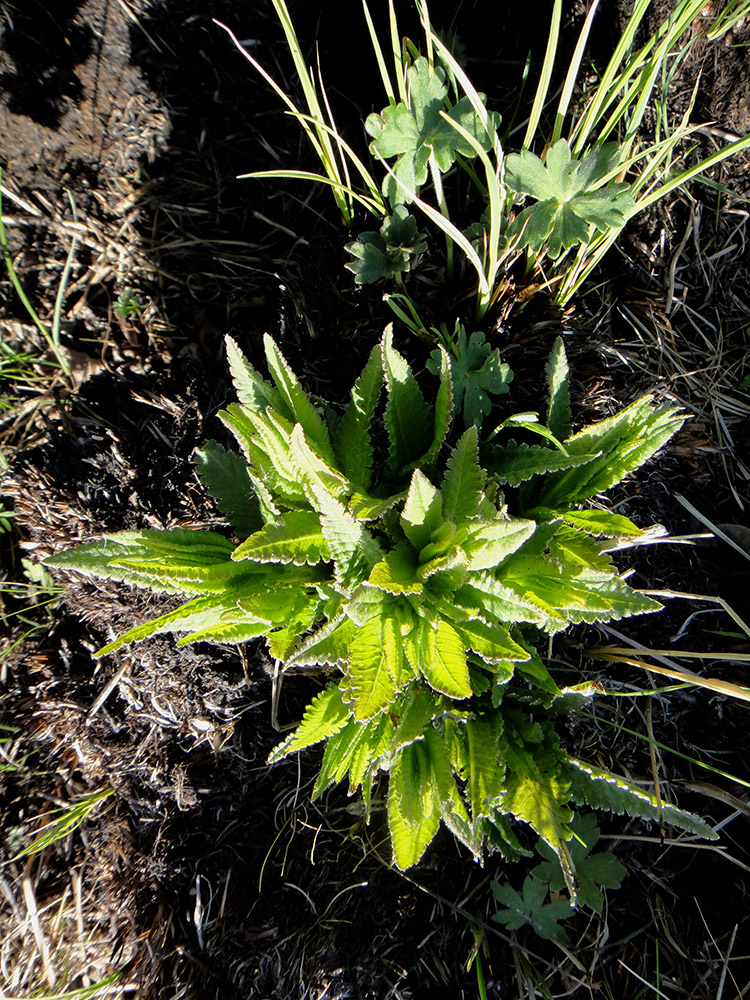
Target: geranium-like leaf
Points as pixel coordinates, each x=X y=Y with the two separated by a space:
x=593 y=871
x=413 y=133
x=476 y=372
x=569 y=196
x=531 y=909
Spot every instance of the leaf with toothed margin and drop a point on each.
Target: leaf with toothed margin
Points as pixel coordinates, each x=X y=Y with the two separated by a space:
x=353 y=550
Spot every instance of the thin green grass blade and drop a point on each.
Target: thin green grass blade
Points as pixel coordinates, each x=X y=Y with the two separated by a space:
x=572 y=74
x=545 y=76
x=378 y=50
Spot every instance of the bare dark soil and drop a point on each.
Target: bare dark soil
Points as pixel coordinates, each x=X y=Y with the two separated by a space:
x=207 y=874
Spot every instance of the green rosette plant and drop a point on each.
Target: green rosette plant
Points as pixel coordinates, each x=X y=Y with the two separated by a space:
x=379 y=547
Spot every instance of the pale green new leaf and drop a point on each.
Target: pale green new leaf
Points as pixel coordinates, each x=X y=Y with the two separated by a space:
x=324 y=716
x=370 y=683
x=353 y=444
x=492 y=541
x=295 y=538
x=413 y=818
x=444 y=664
x=397 y=572
x=464 y=480
x=422 y=512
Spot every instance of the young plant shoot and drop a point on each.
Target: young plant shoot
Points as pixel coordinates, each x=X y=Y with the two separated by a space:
x=377 y=544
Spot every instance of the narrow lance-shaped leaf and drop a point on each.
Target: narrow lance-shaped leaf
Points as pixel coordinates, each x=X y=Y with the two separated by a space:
x=324 y=716
x=224 y=474
x=353 y=443
x=558 y=380
x=296 y=399
x=464 y=479
x=252 y=389
x=352 y=548
x=408 y=419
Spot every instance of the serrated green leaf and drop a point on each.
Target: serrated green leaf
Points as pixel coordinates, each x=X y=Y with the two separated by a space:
x=328 y=645
x=252 y=389
x=303 y=412
x=603 y=523
x=464 y=480
x=295 y=538
x=444 y=661
x=422 y=512
x=492 y=642
x=600 y=789
x=490 y=542
x=224 y=474
x=573 y=578
x=484 y=772
x=353 y=549
x=623 y=443
x=370 y=683
x=353 y=444
x=397 y=572
x=536 y=792
x=408 y=419
x=325 y=716
x=558 y=381
x=516 y=463
x=366 y=508
x=413 y=818
x=443 y=413
x=417 y=710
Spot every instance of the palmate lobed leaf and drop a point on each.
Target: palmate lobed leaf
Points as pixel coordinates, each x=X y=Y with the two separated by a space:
x=568 y=198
